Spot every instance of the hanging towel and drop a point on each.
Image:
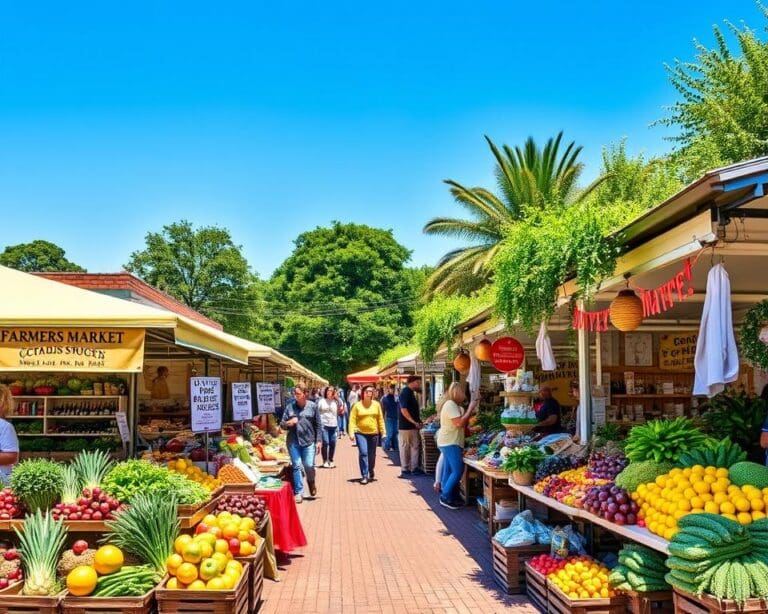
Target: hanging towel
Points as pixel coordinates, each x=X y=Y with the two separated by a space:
x=544 y=349
x=717 y=358
x=473 y=379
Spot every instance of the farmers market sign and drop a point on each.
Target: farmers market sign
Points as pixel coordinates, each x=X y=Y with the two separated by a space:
x=71 y=349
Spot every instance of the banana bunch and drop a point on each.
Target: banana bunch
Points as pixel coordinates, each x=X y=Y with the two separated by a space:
x=663 y=440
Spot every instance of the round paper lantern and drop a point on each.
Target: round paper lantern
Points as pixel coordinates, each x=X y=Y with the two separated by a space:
x=483 y=350
x=626 y=311
x=462 y=362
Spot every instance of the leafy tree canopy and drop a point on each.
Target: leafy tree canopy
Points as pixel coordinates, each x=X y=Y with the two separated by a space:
x=722 y=111
x=38 y=256
x=387 y=357
x=342 y=297
x=204 y=269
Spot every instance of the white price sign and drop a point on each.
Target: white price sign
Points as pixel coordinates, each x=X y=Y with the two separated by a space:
x=122 y=426
x=242 y=406
x=265 y=395
x=278 y=400
x=205 y=403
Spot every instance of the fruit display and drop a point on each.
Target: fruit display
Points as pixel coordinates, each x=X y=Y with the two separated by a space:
x=695 y=490
x=10 y=565
x=108 y=576
x=202 y=563
x=251 y=506
x=90 y=505
x=556 y=464
x=746 y=473
x=569 y=487
x=229 y=474
x=79 y=555
x=723 y=453
x=605 y=466
x=10 y=507
x=612 y=503
x=231 y=533
x=583 y=578
x=717 y=556
x=643 y=472
x=640 y=569
x=663 y=440
x=547 y=564
x=192 y=472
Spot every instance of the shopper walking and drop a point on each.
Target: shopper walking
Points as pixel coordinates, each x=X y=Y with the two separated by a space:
x=408 y=428
x=343 y=419
x=328 y=406
x=450 y=441
x=366 y=426
x=391 y=405
x=302 y=420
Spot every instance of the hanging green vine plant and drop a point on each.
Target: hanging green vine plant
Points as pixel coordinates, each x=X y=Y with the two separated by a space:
x=753 y=349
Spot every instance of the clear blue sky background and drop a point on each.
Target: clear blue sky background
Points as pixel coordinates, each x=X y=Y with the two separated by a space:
x=270 y=118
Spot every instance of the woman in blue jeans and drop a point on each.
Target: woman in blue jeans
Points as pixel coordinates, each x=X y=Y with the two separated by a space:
x=302 y=421
x=366 y=427
x=329 y=414
x=450 y=441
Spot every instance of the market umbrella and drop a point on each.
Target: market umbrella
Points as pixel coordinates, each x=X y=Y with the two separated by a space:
x=717 y=358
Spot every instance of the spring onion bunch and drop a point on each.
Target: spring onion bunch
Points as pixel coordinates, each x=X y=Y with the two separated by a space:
x=42 y=541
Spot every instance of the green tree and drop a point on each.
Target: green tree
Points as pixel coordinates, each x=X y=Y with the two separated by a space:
x=204 y=269
x=527 y=177
x=38 y=255
x=341 y=298
x=722 y=111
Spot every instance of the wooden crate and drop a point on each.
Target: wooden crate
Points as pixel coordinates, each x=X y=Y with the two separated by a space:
x=256 y=579
x=685 y=603
x=649 y=603
x=429 y=452
x=560 y=603
x=483 y=511
x=246 y=488
x=13 y=602
x=536 y=588
x=205 y=602
x=509 y=565
x=109 y=605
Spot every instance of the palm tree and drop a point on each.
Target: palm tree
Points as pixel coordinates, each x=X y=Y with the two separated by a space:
x=527 y=177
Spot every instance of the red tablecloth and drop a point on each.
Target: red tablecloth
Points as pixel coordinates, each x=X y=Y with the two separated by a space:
x=286 y=525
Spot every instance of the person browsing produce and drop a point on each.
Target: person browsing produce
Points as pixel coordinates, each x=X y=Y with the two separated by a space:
x=329 y=407
x=366 y=426
x=548 y=413
x=9 y=443
x=302 y=419
x=450 y=441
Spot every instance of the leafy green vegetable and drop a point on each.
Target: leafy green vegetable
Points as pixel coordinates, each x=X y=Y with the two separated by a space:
x=663 y=440
x=524 y=459
x=738 y=416
x=37 y=482
x=131 y=477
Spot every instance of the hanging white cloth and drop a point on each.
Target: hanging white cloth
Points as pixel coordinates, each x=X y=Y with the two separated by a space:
x=473 y=378
x=544 y=349
x=717 y=358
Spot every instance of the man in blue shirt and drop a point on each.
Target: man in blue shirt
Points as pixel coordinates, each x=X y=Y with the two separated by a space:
x=409 y=426
x=391 y=405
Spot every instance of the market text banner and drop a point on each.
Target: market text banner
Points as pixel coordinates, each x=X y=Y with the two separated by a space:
x=71 y=349
x=265 y=395
x=242 y=406
x=205 y=403
x=677 y=351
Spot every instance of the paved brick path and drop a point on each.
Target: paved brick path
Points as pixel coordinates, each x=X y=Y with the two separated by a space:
x=386 y=548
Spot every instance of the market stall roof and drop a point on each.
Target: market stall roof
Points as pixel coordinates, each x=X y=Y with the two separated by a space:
x=411 y=363
x=366 y=376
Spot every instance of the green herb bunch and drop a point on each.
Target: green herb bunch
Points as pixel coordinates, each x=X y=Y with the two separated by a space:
x=525 y=459
x=37 y=482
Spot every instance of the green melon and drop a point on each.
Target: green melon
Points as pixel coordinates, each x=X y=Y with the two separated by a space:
x=745 y=473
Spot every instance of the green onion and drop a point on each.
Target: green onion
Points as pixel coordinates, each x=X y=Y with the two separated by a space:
x=42 y=541
x=147 y=529
x=92 y=467
x=70 y=490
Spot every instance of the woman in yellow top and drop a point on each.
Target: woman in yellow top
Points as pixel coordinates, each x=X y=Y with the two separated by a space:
x=450 y=441
x=366 y=426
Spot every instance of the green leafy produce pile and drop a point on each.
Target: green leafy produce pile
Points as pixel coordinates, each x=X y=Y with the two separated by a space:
x=715 y=555
x=722 y=453
x=640 y=569
x=663 y=440
x=737 y=416
x=130 y=477
x=37 y=482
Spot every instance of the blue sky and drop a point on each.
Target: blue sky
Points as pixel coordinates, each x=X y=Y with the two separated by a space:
x=271 y=118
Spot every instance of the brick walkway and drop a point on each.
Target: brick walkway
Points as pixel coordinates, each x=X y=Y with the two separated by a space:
x=386 y=547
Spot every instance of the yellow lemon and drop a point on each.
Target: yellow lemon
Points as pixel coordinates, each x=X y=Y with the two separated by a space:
x=727 y=508
x=711 y=507
x=741 y=504
x=744 y=518
x=757 y=515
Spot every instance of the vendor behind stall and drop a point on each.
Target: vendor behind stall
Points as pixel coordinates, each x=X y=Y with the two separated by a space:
x=9 y=443
x=548 y=413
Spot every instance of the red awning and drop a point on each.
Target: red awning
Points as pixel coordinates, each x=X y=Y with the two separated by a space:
x=366 y=376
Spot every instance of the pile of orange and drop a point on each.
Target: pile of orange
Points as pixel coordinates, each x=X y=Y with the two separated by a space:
x=583 y=579
x=695 y=490
x=186 y=467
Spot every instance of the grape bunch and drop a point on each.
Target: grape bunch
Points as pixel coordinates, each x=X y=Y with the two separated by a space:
x=555 y=464
x=605 y=467
x=612 y=503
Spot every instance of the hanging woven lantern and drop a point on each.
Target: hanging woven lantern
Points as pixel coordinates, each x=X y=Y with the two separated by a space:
x=626 y=311
x=462 y=362
x=483 y=350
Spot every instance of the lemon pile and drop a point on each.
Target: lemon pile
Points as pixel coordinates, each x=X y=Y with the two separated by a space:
x=186 y=467
x=584 y=579
x=695 y=490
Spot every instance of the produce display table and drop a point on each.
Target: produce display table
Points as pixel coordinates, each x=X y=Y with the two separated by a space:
x=287 y=530
x=429 y=451
x=633 y=533
x=495 y=488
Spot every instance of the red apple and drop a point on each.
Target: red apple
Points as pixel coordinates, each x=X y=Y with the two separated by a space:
x=234 y=546
x=201 y=528
x=79 y=546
